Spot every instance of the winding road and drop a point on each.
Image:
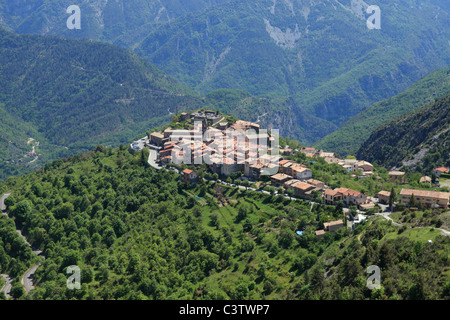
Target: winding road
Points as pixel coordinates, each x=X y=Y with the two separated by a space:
x=27 y=278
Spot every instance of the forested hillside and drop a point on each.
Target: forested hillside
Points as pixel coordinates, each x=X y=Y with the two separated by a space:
x=420 y=140
x=72 y=94
x=349 y=138
x=317 y=59
x=122 y=22
x=138 y=233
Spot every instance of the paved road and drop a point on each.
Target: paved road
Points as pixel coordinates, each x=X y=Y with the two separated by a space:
x=2 y=202
x=7 y=287
x=27 y=279
x=152 y=159
x=386 y=216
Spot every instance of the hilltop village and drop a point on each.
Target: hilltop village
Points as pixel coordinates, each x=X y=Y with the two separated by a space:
x=257 y=156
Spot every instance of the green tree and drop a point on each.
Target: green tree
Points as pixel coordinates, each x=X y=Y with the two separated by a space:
x=392 y=198
x=22 y=211
x=17 y=290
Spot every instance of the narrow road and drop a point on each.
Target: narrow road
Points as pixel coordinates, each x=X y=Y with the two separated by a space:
x=27 y=278
x=444 y=232
x=2 y=203
x=386 y=216
x=7 y=287
x=152 y=159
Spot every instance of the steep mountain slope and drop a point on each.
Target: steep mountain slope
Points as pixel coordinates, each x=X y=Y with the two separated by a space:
x=122 y=22
x=317 y=58
x=348 y=138
x=420 y=140
x=320 y=53
x=74 y=94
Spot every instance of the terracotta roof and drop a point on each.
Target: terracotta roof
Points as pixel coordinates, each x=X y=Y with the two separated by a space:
x=281 y=176
x=425 y=193
x=333 y=223
x=300 y=168
x=331 y=192
x=229 y=161
x=351 y=192
x=157 y=134
x=314 y=181
x=442 y=169
x=303 y=186
x=425 y=179
x=396 y=173
x=368 y=205
x=384 y=193
x=291 y=183
x=187 y=171
x=283 y=162
x=320 y=232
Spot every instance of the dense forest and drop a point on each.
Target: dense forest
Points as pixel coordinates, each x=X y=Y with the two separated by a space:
x=139 y=233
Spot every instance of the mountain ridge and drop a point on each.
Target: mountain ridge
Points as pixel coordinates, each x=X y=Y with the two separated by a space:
x=417 y=141
x=317 y=58
x=347 y=139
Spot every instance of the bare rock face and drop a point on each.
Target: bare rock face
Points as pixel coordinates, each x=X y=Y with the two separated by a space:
x=285 y=39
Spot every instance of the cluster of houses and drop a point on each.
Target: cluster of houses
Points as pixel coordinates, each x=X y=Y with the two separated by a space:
x=252 y=155
x=427 y=198
x=224 y=148
x=349 y=165
x=180 y=146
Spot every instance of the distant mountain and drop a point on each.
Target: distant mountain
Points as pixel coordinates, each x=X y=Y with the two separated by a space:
x=420 y=140
x=320 y=54
x=122 y=22
x=317 y=59
x=348 y=138
x=70 y=95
